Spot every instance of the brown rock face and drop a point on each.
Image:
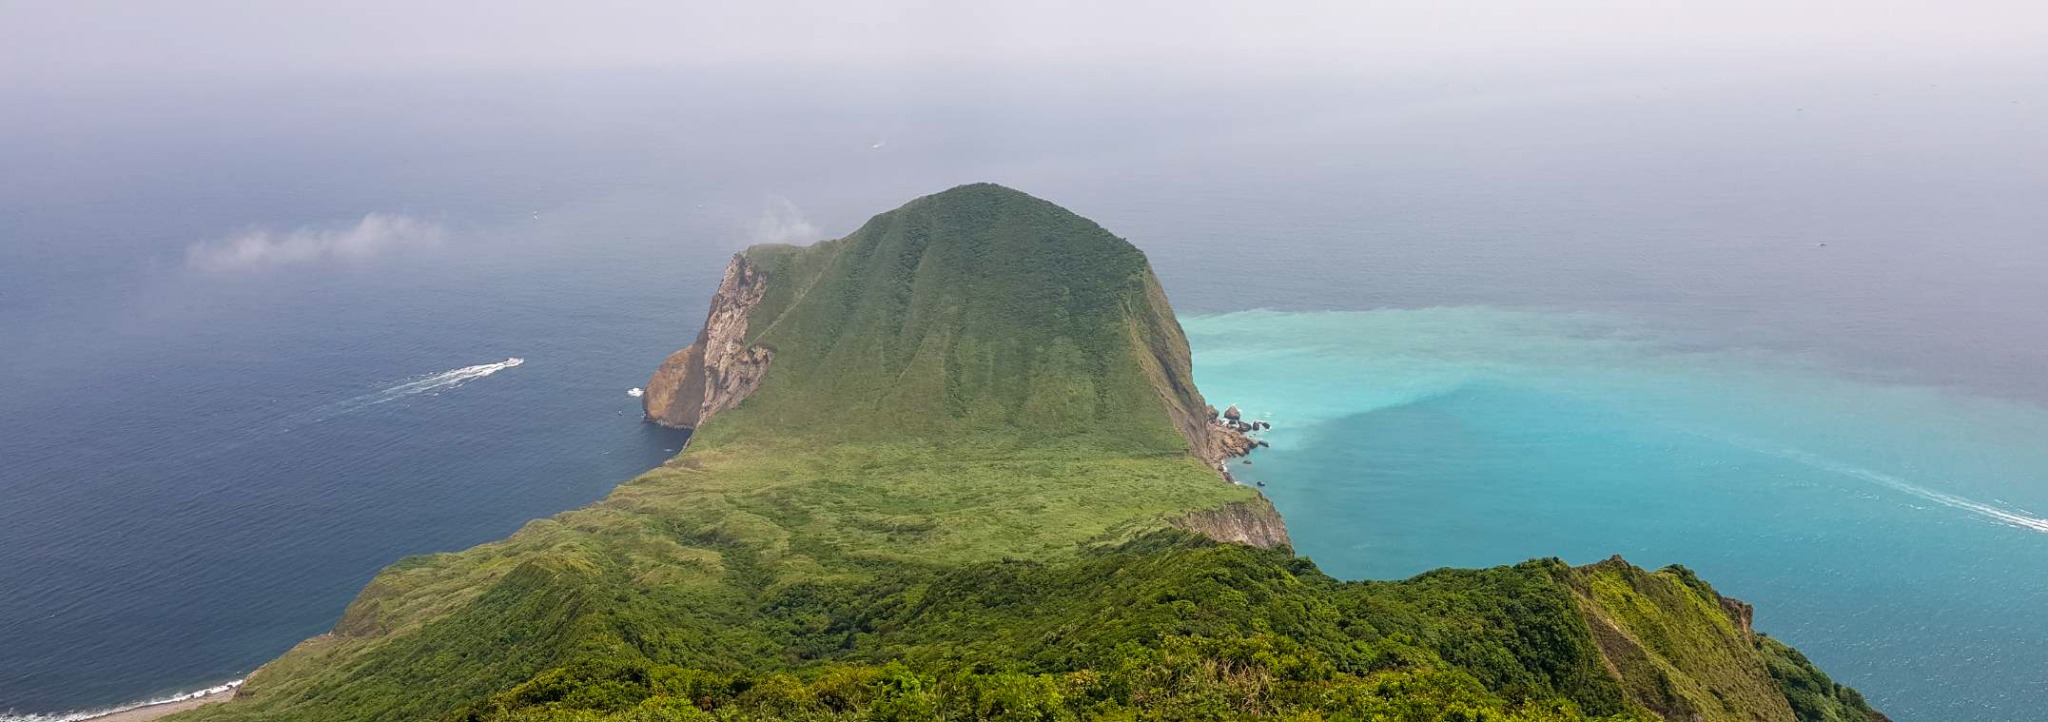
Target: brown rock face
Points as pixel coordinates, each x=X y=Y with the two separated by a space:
x=661 y=399
x=1253 y=523
x=720 y=369
x=1742 y=613
x=1217 y=443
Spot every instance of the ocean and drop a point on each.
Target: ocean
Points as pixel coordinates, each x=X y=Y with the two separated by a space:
x=259 y=342
x=1894 y=532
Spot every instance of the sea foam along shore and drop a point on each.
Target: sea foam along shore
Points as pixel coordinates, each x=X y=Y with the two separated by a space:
x=137 y=711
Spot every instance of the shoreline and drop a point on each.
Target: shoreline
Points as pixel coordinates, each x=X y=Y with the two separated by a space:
x=140 y=711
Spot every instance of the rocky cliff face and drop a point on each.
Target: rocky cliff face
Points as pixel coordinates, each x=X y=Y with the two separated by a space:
x=720 y=369
x=1743 y=614
x=662 y=401
x=1170 y=368
x=1216 y=443
x=1254 y=523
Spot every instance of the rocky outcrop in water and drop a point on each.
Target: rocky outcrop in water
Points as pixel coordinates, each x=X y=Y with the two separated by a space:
x=1224 y=436
x=660 y=399
x=720 y=369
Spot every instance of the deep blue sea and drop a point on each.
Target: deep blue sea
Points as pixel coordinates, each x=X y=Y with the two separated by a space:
x=254 y=342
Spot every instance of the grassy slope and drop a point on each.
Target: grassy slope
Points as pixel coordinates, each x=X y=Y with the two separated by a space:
x=946 y=500
x=1679 y=653
x=974 y=311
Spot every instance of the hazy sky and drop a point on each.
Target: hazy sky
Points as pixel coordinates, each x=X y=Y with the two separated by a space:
x=44 y=43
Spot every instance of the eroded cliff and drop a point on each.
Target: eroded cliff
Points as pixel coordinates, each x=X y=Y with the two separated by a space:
x=1254 y=522
x=721 y=368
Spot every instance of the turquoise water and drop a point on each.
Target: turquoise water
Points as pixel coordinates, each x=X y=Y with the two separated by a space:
x=1893 y=532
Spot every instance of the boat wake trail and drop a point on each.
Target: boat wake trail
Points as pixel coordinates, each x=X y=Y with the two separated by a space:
x=80 y=715
x=445 y=380
x=2012 y=517
x=422 y=385
x=2009 y=517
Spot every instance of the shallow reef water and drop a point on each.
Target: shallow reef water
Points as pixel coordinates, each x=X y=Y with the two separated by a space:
x=1893 y=532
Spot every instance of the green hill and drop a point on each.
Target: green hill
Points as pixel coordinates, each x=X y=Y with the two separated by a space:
x=954 y=466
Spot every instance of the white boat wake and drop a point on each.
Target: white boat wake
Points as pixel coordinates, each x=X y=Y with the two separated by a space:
x=2010 y=517
x=431 y=383
x=445 y=380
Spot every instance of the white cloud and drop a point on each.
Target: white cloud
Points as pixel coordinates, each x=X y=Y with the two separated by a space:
x=782 y=222
x=260 y=249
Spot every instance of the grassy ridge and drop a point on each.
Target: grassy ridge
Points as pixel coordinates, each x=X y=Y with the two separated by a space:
x=1163 y=627
x=1170 y=627
x=950 y=499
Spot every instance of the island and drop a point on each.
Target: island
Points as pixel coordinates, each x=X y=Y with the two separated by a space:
x=954 y=466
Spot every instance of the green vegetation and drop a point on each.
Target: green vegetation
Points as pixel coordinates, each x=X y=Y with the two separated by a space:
x=1813 y=696
x=976 y=311
x=1165 y=627
x=952 y=498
